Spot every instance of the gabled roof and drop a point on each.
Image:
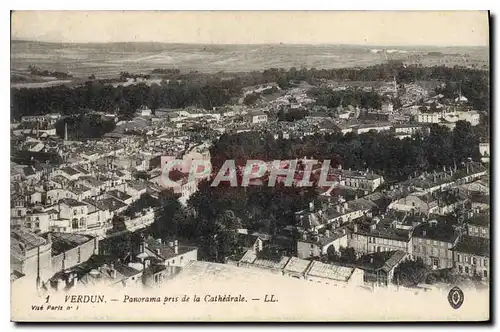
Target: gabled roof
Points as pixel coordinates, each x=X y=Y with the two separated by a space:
x=394 y=260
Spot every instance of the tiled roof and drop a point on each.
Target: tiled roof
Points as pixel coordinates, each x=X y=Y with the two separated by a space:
x=330 y=271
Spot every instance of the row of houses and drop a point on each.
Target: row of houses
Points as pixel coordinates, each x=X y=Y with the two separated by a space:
x=314 y=270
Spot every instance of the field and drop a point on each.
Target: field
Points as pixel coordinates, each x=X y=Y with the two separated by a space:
x=108 y=60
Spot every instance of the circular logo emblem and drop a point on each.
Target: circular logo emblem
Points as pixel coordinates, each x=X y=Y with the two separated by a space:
x=456 y=297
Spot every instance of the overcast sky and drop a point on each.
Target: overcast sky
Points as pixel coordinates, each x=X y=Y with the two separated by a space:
x=447 y=28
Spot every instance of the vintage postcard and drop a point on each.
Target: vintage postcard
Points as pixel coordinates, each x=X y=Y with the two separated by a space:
x=250 y=166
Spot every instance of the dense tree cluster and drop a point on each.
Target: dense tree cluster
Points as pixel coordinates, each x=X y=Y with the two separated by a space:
x=292 y=115
x=214 y=214
x=355 y=97
x=410 y=273
x=47 y=73
x=124 y=75
x=381 y=152
x=84 y=126
x=343 y=255
x=251 y=98
x=258 y=207
x=25 y=157
x=144 y=202
x=125 y=99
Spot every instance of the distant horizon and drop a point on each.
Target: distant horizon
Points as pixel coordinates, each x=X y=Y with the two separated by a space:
x=241 y=44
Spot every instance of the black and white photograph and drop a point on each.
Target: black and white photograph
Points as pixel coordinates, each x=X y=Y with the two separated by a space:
x=254 y=166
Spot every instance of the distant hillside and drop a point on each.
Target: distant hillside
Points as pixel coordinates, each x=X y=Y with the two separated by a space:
x=109 y=59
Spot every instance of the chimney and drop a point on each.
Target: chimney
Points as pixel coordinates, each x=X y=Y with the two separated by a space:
x=424 y=232
x=304 y=236
x=171 y=244
x=311 y=206
x=143 y=247
x=157 y=251
x=176 y=247
x=327 y=233
x=345 y=205
x=371 y=260
x=49 y=237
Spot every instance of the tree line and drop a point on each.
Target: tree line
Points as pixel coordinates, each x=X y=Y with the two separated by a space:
x=383 y=153
x=210 y=90
x=355 y=97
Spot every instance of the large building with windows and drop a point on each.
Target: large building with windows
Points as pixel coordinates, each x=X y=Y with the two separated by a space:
x=432 y=242
x=479 y=225
x=471 y=256
x=380 y=234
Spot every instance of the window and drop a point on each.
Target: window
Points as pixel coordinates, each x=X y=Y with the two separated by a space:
x=28 y=224
x=312 y=246
x=18 y=213
x=435 y=262
x=37 y=225
x=467 y=269
x=173 y=261
x=485 y=262
x=182 y=258
x=75 y=212
x=459 y=258
x=460 y=269
x=485 y=273
x=474 y=260
x=467 y=259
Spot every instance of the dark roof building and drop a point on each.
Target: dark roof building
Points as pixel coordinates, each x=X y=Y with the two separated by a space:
x=473 y=245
